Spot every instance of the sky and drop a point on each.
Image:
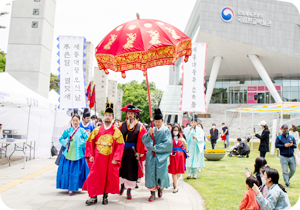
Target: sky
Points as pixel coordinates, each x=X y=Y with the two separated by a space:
x=94 y=19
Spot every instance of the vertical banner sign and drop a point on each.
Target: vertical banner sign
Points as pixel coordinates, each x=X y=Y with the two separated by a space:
x=72 y=85
x=193 y=97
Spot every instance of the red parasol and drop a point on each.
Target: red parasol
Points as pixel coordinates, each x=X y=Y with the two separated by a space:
x=141 y=44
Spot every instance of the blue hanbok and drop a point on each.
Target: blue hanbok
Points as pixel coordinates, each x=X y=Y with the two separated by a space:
x=196 y=150
x=73 y=169
x=157 y=167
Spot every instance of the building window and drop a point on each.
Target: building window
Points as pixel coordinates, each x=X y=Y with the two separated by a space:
x=102 y=81
x=102 y=86
x=36 y=11
x=113 y=95
x=37 y=0
x=102 y=76
x=113 y=91
x=34 y=24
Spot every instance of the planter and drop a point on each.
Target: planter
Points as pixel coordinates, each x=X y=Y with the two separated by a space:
x=214 y=156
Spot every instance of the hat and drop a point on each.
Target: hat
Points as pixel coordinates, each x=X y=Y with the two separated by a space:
x=157 y=114
x=94 y=116
x=284 y=126
x=71 y=112
x=130 y=108
x=239 y=139
x=109 y=108
x=195 y=118
x=86 y=112
x=262 y=123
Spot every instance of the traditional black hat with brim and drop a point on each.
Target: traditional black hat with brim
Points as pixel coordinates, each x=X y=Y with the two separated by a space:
x=157 y=114
x=109 y=108
x=86 y=112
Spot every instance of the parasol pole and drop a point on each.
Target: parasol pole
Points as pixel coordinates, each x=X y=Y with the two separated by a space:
x=150 y=110
x=95 y=102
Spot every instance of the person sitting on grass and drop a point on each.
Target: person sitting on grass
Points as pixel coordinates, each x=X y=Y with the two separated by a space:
x=249 y=201
x=277 y=197
x=259 y=162
x=243 y=148
x=264 y=188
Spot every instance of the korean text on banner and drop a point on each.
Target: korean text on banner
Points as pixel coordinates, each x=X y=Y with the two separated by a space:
x=72 y=90
x=193 y=85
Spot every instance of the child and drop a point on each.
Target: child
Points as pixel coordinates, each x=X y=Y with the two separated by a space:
x=264 y=188
x=249 y=201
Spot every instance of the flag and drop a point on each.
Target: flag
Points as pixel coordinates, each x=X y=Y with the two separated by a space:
x=92 y=98
x=88 y=91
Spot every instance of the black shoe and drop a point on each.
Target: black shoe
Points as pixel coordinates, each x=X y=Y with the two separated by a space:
x=129 y=197
x=247 y=156
x=91 y=201
x=122 y=189
x=136 y=186
x=105 y=200
x=160 y=193
x=188 y=177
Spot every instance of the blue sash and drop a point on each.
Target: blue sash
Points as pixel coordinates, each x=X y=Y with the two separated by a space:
x=179 y=149
x=130 y=145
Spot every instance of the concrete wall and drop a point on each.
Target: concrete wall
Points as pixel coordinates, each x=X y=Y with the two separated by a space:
x=279 y=37
x=30 y=49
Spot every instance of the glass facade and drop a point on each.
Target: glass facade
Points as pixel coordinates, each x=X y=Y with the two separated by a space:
x=234 y=91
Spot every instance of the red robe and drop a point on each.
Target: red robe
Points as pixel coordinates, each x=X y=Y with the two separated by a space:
x=177 y=162
x=104 y=176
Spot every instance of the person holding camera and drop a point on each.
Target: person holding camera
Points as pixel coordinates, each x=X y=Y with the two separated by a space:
x=286 y=144
x=264 y=139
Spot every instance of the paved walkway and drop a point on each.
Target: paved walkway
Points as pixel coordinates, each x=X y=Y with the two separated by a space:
x=34 y=188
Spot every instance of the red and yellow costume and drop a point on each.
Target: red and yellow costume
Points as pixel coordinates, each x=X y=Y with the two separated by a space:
x=105 y=145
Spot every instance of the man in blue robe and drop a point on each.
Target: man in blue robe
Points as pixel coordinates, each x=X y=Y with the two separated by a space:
x=157 y=176
x=86 y=123
x=195 y=140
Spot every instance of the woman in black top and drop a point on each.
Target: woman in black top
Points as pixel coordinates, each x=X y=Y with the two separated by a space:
x=264 y=139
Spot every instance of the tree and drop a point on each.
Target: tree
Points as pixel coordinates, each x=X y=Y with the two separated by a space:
x=1 y=14
x=136 y=94
x=54 y=82
x=2 y=61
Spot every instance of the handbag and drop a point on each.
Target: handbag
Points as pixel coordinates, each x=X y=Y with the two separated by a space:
x=62 y=149
x=223 y=137
x=54 y=151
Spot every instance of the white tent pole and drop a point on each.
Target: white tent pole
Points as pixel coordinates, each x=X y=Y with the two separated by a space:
x=225 y=118
x=240 y=121
x=53 y=131
x=27 y=135
x=252 y=127
x=281 y=119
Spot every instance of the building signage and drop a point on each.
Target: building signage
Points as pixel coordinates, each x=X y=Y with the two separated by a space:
x=246 y=17
x=253 y=18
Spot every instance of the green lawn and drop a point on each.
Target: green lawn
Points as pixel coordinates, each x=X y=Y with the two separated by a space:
x=222 y=183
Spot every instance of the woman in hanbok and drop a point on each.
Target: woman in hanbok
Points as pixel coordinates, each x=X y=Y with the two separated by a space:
x=178 y=156
x=73 y=169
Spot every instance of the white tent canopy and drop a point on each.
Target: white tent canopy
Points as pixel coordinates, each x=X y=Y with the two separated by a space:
x=15 y=100
x=13 y=92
